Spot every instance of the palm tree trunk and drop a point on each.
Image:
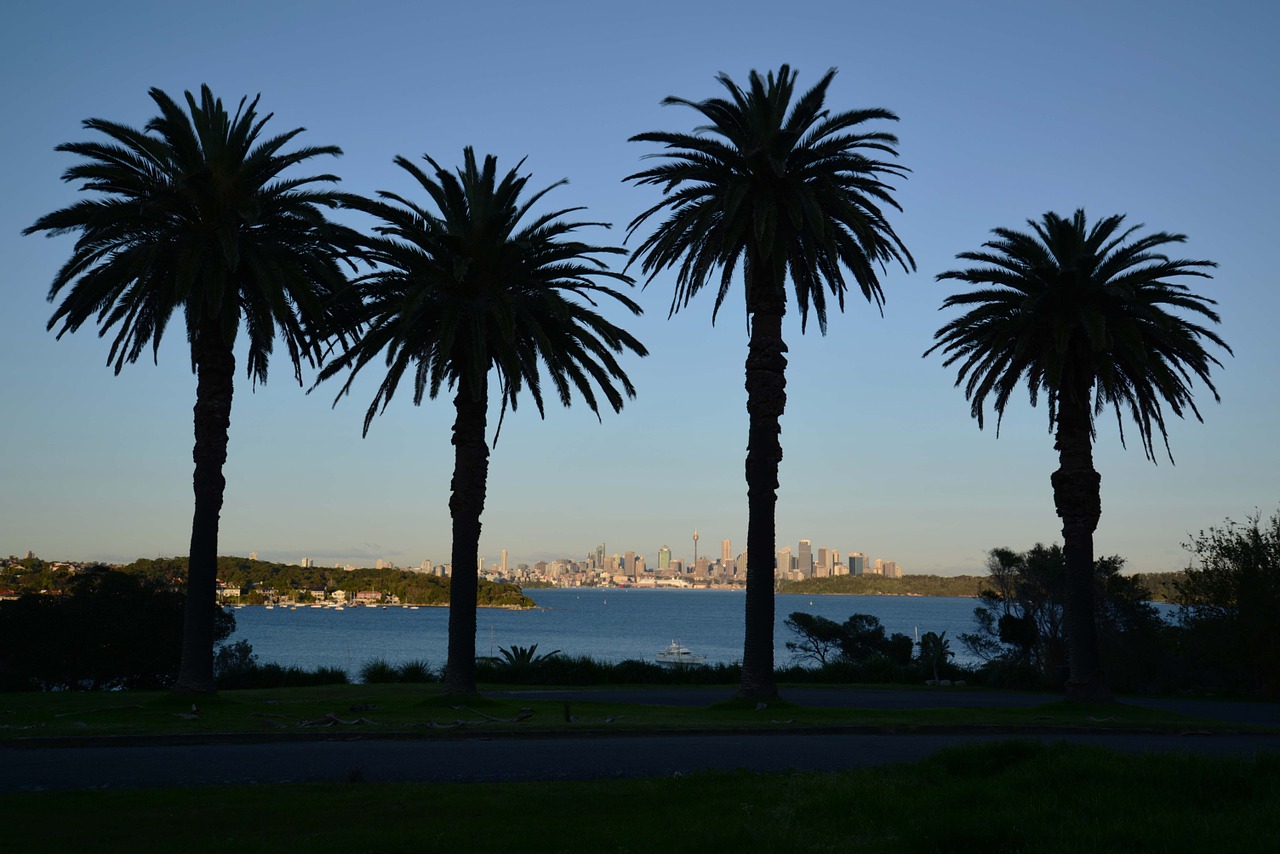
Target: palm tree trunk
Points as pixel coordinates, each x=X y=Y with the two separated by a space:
x=766 y=400
x=215 y=384
x=1077 y=494
x=466 y=503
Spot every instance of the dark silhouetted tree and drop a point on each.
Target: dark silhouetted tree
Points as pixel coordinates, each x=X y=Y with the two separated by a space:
x=194 y=214
x=1230 y=601
x=467 y=287
x=108 y=630
x=1093 y=317
x=789 y=191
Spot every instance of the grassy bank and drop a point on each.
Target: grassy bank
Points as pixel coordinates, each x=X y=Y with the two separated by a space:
x=1014 y=796
x=421 y=710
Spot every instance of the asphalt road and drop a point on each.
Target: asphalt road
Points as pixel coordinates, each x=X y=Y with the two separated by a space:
x=593 y=756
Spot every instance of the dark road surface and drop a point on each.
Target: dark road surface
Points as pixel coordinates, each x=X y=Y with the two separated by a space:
x=591 y=756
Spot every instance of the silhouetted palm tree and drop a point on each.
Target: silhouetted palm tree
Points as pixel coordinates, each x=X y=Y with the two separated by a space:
x=192 y=213
x=1082 y=314
x=789 y=191
x=464 y=288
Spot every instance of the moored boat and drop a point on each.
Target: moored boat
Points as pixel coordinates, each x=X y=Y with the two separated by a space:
x=678 y=655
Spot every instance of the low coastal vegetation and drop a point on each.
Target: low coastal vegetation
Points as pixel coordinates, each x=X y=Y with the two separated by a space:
x=873 y=585
x=245 y=581
x=1158 y=586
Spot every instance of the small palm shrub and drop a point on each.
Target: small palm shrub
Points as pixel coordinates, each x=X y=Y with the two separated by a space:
x=417 y=670
x=378 y=671
x=276 y=676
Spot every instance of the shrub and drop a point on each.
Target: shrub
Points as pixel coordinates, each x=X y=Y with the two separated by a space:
x=417 y=670
x=109 y=630
x=1231 y=604
x=276 y=676
x=378 y=671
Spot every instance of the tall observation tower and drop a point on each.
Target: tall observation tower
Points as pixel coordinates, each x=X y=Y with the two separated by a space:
x=695 y=550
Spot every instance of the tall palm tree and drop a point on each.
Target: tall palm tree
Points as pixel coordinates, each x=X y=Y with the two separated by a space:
x=1087 y=315
x=790 y=191
x=466 y=287
x=192 y=213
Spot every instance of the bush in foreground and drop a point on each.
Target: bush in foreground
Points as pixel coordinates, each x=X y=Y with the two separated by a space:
x=106 y=630
x=379 y=671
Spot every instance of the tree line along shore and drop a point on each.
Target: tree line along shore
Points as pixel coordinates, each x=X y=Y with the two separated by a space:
x=255 y=582
x=244 y=581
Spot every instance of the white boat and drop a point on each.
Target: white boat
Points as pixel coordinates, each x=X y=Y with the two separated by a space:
x=678 y=655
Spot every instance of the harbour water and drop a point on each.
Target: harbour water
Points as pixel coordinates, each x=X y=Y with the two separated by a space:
x=609 y=624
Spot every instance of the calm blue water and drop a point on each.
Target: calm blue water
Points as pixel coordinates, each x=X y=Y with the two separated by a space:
x=607 y=624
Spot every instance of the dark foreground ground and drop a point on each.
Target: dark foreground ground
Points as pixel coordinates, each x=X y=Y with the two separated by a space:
x=595 y=756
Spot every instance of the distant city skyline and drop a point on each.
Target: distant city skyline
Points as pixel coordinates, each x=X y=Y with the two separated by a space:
x=633 y=560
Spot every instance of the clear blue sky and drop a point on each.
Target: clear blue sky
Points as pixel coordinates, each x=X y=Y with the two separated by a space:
x=1165 y=113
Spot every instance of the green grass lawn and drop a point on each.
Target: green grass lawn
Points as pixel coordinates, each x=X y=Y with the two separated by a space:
x=422 y=710
x=1011 y=796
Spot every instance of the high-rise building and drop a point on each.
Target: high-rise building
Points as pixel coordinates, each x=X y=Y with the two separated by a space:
x=253 y=555
x=664 y=558
x=504 y=562
x=824 y=562
x=726 y=552
x=857 y=563
x=805 y=556
x=784 y=561
x=629 y=563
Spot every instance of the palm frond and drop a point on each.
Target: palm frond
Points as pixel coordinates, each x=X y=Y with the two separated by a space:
x=1068 y=305
x=474 y=282
x=780 y=180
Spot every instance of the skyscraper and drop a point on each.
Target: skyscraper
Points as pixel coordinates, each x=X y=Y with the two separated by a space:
x=664 y=558
x=726 y=552
x=629 y=563
x=504 y=562
x=784 y=561
x=824 y=562
x=805 y=555
x=857 y=563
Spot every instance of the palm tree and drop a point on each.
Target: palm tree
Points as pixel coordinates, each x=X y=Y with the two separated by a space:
x=192 y=213
x=466 y=289
x=1082 y=314
x=790 y=191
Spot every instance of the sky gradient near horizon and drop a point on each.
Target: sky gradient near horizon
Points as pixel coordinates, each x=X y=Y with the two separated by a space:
x=1167 y=114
